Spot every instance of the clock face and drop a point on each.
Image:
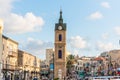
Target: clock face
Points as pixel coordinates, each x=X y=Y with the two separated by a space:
x=60 y=27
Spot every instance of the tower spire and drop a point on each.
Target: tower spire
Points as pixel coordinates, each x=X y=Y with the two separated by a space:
x=60 y=19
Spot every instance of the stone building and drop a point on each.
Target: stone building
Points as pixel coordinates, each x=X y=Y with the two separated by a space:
x=9 y=57
x=115 y=55
x=44 y=67
x=37 y=67
x=28 y=64
x=49 y=55
x=112 y=56
x=1 y=47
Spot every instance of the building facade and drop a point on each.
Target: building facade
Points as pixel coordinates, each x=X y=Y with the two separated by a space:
x=29 y=65
x=1 y=47
x=37 y=67
x=60 y=49
x=112 y=56
x=49 y=55
x=44 y=67
x=9 y=57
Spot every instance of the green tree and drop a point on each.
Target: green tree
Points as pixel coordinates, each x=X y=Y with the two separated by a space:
x=70 y=61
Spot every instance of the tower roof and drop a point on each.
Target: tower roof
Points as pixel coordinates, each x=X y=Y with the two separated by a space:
x=60 y=19
x=60 y=22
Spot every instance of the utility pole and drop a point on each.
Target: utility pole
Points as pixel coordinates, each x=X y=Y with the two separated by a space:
x=1 y=48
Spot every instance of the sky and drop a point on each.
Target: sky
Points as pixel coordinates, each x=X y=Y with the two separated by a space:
x=93 y=26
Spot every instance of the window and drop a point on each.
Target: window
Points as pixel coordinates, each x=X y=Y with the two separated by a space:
x=78 y=63
x=60 y=37
x=59 y=54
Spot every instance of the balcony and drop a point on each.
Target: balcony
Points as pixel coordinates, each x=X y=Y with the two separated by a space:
x=12 y=67
x=9 y=67
x=12 y=54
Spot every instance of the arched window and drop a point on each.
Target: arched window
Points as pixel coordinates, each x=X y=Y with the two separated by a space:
x=60 y=37
x=59 y=54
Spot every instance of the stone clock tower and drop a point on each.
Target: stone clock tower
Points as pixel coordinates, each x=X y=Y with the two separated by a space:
x=60 y=49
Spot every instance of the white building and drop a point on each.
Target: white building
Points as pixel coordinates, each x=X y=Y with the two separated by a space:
x=1 y=47
x=80 y=64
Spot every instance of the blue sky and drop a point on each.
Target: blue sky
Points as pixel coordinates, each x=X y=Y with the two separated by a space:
x=93 y=26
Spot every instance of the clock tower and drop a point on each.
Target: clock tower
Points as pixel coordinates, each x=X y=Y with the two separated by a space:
x=60 y=49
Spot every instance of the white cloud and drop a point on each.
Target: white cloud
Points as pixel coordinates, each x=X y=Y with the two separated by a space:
x=75 y=52
x=37 y=47
x=105 y=5
x=5 y=7
x=96 y=15
x=78 y=42
x=22 y=24
x=14 y=23
x=117 y=30
x=105 y=35
x=104 y=46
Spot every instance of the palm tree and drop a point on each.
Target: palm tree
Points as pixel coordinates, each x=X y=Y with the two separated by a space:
x=70 y=62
